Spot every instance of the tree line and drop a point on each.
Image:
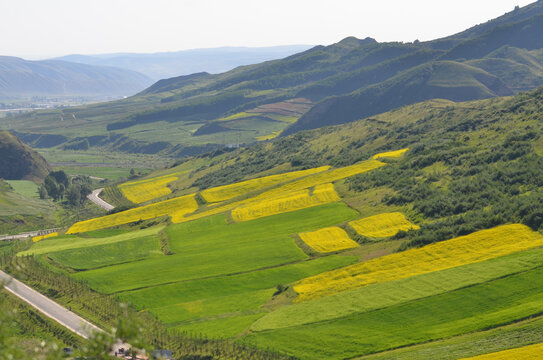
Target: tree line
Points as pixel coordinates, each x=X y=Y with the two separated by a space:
x=58 y=186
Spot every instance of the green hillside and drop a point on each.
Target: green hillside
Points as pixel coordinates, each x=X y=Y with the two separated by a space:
x=325 y=85
x=362 y=200
x=466 y=277
x=18 y=161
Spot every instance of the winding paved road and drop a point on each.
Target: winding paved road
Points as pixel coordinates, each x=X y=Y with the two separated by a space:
x=48 y=307
x=95 y=199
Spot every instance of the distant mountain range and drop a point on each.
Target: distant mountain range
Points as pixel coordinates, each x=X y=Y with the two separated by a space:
x=169 y=64
x=19 y=78
x=324 y=85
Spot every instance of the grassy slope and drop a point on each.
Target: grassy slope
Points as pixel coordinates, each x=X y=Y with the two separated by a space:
x=21 y=210
x=139 y=248
x=29 y=332
x=448 y=142
x=469 y=309
x=390 y=293
x=234 y=248
x=206 y=297
x=70 y=242
x=25 y=188
x=520 y=333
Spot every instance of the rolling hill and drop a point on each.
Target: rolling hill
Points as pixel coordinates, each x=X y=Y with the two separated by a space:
x=321 y=86
x=415 y=233
x=20 y=162
x=22 y=78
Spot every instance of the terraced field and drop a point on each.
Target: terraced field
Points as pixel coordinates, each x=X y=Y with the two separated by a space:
x=46 y=236
x=479 y=246
x=237 y=268
x=390 y=154
x=292 y=201
x=226 y=248
x=527 y=352
x=227 y=192
x=144 y=190
x=465 y=310
x=328 y=240
x=311 y=189
x=382 y=225
x=181 y=205
x=381 y=295
x=220 y=274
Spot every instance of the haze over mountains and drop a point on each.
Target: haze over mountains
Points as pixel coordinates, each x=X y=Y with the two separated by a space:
x=325 y=85
x=117 y=75
x=23 y=78
x=169 y=64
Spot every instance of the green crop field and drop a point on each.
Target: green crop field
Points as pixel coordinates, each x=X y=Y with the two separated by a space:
x=211 y=247
x=469 y=309
x=391 y=293
x=185 y=303
x=220 y=275
x=109 y=254
x=222 y=327
x=71 y=242
x=517 y=334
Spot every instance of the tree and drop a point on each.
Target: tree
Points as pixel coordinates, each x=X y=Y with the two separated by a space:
x=61 y=191
x=85 y=190
x=60 y=177
x=52 y=187
x=43 y=192
x=74 y=195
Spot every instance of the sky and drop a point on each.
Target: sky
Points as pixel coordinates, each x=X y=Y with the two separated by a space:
x=37 y=29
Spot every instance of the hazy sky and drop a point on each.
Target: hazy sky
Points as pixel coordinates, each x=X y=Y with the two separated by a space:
x=44 y=28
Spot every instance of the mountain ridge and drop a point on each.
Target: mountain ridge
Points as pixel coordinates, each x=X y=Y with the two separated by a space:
x=353 y=74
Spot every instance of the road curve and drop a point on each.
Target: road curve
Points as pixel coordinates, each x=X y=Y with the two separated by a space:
x=48 y=307
x=95 y=199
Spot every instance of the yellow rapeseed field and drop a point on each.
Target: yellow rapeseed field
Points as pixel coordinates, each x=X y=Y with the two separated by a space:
x=324 y=177
x=41 y=237
x=382 y=225
x=286 y=190
x=476 y=247
x=527 y=352
x=269 y=136
x=328 y=239
x=226 y=192
x=390 y=154
x=178 y=206
x=148 y=189
x=296 y=200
